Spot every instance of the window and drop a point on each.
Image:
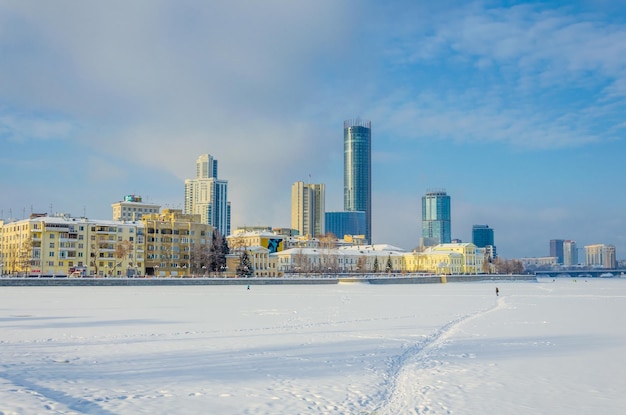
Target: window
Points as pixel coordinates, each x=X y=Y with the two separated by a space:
x=51 y=254
x=51 y=245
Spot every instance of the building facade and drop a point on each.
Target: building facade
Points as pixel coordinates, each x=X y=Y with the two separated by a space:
x=436 y=218
x=207 y=196
x=175 y=243
x=61 y=245
x=556 y=249
x=600 y=256
x=345 y=223
x=132 y=208
x=570 y=253
x=357 y=170
x=308 y=208
x=482 y=237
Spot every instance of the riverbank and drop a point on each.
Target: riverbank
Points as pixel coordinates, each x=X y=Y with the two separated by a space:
x=108 y=282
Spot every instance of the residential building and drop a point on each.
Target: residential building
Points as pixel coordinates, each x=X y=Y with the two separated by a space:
x=570 y=253
x=61 y=245
x=176 y=243
x=132 y=208
x=556 y=249
x=357 y=170
x=308 y=208
x=207 y=195
x=600 y=256
x=344 y=223
x=436 y=218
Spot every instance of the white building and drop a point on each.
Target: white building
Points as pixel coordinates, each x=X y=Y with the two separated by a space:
x=207 y=196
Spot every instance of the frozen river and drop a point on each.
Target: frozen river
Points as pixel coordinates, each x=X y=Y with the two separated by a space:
x=539 y=348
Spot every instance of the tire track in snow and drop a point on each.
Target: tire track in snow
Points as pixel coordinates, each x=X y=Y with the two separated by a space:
x=404 y=392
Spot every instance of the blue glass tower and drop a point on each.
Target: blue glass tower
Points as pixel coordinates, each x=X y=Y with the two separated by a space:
x=357 y=168
x=345 y=223
x=482 y=236
x=436 y=222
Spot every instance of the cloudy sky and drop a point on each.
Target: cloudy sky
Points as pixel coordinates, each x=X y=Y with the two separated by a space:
x=515 y=108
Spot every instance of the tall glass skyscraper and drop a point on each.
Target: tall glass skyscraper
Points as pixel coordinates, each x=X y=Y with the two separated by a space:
x=436 y=223
x=357 y=170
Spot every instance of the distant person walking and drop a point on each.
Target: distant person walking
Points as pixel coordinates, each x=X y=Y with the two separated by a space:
x=497 y=292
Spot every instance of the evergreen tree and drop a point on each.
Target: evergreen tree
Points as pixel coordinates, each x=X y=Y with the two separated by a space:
x=223 y=250
x=376 y=264
x=389 y=266
x=213 y=252
x=245 y=269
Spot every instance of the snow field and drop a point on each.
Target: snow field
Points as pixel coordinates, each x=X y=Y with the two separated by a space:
x=546 y=347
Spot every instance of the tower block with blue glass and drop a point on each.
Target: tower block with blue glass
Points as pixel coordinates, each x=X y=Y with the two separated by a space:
x=357 y=168
x=436 y=222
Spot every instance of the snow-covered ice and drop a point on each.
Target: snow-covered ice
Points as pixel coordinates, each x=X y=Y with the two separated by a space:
x=539 y=348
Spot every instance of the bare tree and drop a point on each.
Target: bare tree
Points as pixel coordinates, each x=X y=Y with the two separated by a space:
x=122 y=250
x=508 y=266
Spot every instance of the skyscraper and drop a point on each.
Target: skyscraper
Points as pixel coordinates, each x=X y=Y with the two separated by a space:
x=308 y=208
x=436 y=222
x=556 y=250
x=207 y=196
x=357 y=170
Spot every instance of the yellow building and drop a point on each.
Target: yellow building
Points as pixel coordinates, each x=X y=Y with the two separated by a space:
x=60 y=245
x=451 y=258
x=244 y=239
x=176 y=244
x=263 y=264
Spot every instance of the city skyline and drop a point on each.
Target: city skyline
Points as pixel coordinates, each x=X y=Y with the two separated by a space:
x=516 y=110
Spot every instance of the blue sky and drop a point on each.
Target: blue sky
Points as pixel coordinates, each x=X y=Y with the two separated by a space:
x=515 y=108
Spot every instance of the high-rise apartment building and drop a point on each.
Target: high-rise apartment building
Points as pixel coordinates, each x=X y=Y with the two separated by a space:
x=570 y=253
x=357 y=170
x=436 y=218
x=308 y=208
x=556 y=250
x=207 y=196
x=600 y=255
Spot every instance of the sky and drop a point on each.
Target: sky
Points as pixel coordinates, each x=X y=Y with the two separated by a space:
x=350 y=348
x=514 y=108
